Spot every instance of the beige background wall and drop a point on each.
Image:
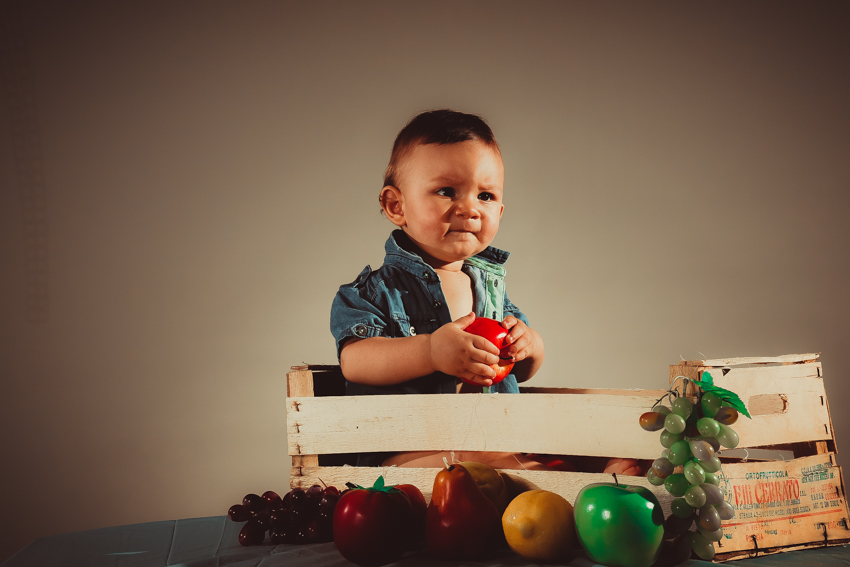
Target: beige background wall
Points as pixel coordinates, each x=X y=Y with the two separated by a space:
x=677 y=183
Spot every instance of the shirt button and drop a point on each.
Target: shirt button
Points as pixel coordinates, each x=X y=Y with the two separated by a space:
x=496 y=283
x=360 y=330
x=437 y=304
x=426 y=275
x=412 y=331
x=494 y=315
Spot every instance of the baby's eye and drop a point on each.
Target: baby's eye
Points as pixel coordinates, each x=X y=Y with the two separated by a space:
x=485 y=196
x=446 y=192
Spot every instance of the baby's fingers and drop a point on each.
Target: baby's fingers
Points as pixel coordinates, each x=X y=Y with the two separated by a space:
x=519 y=349
x=476 y=379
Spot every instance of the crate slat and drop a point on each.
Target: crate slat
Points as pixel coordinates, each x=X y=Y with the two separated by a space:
x=547 y=423
x=529 y=423
x=784 y=359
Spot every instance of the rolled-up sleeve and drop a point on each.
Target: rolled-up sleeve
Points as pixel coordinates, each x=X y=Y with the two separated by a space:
x=354 y=315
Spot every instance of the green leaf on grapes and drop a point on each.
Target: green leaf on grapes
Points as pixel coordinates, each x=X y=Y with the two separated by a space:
x=707 y=385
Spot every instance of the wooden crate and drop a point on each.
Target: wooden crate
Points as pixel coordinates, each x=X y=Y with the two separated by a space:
x=780 y=505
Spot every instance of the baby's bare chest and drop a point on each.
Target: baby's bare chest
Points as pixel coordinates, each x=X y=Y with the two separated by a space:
x=457 y=288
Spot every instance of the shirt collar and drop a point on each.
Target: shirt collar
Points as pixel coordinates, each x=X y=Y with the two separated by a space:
x=400 y=249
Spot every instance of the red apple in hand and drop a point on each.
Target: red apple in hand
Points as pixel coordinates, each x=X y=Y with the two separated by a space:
x=494 y=332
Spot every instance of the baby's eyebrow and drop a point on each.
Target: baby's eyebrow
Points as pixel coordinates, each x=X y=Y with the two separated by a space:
x=451 y=181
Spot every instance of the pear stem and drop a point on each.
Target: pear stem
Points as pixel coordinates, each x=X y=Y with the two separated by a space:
x=446 y=462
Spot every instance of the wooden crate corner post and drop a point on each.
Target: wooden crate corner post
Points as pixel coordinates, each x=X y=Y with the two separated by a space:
x=299 y=384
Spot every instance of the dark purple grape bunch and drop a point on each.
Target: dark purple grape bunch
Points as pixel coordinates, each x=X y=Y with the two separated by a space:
x=300 y=517
x=256 y=511
x=692 y=435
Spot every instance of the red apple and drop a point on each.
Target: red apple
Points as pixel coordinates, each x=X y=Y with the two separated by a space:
x=494 y=332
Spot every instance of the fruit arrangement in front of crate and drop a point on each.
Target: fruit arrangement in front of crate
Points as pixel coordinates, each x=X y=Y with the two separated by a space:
x=694 y=423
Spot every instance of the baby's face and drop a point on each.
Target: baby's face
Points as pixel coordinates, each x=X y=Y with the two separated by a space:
x=451 y=198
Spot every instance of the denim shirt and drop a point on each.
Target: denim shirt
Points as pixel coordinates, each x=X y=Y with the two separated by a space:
x=403 y=298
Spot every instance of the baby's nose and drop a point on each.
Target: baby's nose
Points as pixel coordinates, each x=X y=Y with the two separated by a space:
x=467 y=208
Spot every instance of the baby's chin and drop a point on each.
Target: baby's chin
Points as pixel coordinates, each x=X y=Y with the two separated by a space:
x=456 y=251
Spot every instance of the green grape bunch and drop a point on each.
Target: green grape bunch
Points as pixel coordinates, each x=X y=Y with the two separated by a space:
x=692 y=434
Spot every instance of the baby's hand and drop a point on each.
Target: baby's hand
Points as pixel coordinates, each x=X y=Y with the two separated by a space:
x=523 y=340
x=462 y=354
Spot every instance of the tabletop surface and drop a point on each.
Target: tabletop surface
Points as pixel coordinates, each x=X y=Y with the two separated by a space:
x=212 y=542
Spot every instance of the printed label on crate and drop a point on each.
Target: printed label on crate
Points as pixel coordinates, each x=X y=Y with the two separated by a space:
x=783 y=503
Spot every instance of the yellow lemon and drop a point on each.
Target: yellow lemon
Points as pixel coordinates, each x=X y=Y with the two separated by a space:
x=539 y=525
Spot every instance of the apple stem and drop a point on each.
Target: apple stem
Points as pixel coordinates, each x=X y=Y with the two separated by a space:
x=615 y=479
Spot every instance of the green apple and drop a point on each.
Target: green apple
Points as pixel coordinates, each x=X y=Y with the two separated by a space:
x=619 y=525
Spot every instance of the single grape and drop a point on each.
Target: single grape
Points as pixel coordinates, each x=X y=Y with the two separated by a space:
x=262 y=517
x=726 y=511
x=325 y=516
x=302 y=537
x=272 y=499
x=328 y=501
x=676 y=484
x=653 y=478
x=711 y=478
x=665 y=453
x=713 y=495
x=681 y=508
x=727 y=437
x=680 y=452
x=667 y=438
x=297 y=497
x=314 y=493
x=715 y=444
x=701 y=450
x=711 y=465
x=279 y=517
x=710 y=403
x=694 y=473
x=314 y=532
x=662 y=467
x=726 y=416
x=239 y=513
x=652 y=421
x=254 y=502
x=299 y=516
x=683 y=407
x=332 y=490
x=252 y=533
x=674 y=423
x=708 y=427
x=676 y=526
x=701 y=546
x=711 y=536
x=695 y=496
x=661 y=409
x=709 y=518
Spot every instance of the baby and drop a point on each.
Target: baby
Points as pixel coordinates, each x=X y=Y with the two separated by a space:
x=399 y=329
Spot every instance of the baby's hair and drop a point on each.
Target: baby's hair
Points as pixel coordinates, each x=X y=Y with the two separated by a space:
x=437 y=127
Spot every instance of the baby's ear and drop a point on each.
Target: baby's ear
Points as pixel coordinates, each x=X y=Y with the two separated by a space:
x=391 y=203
